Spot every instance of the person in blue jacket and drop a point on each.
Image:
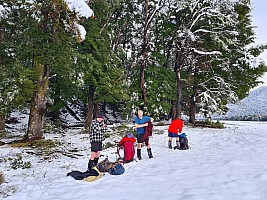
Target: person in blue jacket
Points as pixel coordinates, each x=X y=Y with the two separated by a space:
x=140 y=123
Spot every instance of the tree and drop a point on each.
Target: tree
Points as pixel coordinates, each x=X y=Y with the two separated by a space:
x=98 y=64
x=15 y=87
x=42 y=46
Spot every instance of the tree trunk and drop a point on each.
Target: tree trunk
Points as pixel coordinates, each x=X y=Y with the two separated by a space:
x=173 y=110
x=142 y=84
x=179 y=95
x=179 y=87
x=144 y=55
x=90 y=107
x=38 y=106
x=192 y=108
x=2 y=123
x=96 y=109
x=2 y=115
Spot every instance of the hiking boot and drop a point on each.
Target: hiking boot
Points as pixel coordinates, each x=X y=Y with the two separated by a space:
x=139 y=154
x=149 y=153
x=90 y=164
x=170 y=144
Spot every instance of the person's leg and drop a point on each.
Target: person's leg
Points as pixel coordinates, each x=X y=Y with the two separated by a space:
x=148 y=144
x=92 y=160
x=96 y=147
x=99 y=148
x=139 y=146
x=170 y=142
x=149 y=152
x=96 y=158
x=177 y=143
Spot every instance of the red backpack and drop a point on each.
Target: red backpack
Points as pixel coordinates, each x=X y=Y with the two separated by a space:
x=127 y=143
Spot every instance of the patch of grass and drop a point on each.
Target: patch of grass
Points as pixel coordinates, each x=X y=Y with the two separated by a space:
x=7 y=191
x=122 y=127
x=210 y=124
x=119 y=131
x=3 y=134
x=108 y=145
x=47 y=127
x=42 y=144
x=107 y=135
x=17 y=162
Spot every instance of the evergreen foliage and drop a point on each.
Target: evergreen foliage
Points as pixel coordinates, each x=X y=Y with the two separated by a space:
x=189 y=56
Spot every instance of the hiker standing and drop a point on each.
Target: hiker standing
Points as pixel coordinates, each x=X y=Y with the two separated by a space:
x=175 y=127
x=140 y=123
x=97 y=129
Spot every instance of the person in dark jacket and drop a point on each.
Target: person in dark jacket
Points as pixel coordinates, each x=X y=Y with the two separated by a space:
x=140 y=123
x=97 y=129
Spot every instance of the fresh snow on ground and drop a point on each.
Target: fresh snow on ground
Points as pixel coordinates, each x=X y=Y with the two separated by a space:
x=221 y=164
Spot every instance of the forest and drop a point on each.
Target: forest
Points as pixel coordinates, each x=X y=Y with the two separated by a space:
x=171 y=57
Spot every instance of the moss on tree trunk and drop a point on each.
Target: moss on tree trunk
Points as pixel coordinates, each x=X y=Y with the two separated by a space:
x=38 y=106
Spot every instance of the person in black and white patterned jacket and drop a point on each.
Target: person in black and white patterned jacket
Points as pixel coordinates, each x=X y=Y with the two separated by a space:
x=98 y=127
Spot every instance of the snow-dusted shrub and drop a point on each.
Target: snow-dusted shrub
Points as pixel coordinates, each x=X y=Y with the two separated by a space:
x=17 y=162
x=210 y=124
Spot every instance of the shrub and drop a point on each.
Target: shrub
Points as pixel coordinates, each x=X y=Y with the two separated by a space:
x=17 y=162
x=108 y=145
x=210 y=124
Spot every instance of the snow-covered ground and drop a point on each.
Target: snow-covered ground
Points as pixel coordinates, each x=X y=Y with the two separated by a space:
x=221 y=165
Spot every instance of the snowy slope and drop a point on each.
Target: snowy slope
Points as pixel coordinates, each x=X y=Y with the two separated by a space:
x=221 y=164
x=253 y=107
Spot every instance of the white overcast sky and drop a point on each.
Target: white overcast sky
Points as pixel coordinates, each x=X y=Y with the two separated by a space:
x=259 y=20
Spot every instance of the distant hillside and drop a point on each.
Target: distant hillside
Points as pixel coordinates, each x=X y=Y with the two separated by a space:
x=253 y=107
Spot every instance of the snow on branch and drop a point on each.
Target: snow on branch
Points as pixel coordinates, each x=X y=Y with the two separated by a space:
x=3 y=10
x=158 y=7
x=203 y=31
x=80 y=7
x=206 y=53
x=211 y=97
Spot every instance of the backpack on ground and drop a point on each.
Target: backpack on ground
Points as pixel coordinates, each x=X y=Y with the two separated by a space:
x=114 y=168
x=127 y=145
x=183 y=142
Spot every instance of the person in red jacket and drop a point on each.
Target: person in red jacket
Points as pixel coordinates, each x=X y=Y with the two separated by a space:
x=175 y=127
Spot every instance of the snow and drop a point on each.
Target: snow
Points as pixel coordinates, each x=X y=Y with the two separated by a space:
x=80 y=7
x=2 y=11
x=206 y=53
x=221 y=164
x=252 y=107
x=83 y=10
x=82 y=31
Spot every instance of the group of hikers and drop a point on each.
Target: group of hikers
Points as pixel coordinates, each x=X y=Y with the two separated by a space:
x=142 y=124
x=143 y=127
